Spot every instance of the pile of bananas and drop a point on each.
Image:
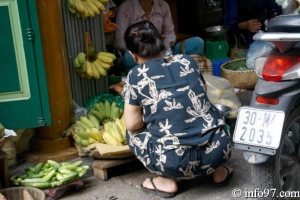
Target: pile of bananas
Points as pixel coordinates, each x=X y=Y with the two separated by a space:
x=86 y=8
x=93 y=65
x=103 y=124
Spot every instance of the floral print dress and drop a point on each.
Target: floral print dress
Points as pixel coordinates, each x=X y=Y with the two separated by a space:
x=184 y=135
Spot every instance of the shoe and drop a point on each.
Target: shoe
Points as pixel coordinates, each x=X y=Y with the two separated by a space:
x=157 y=192
x=227 y=179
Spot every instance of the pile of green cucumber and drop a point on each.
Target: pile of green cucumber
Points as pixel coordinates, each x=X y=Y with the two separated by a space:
x=50 y=174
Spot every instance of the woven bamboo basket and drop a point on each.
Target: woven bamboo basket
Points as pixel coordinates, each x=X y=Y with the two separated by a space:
x=16 y=193
x=244 y=79
x=59 y=156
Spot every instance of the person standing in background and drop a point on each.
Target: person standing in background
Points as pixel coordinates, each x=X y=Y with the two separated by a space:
x=158 y=12
x=249 y=16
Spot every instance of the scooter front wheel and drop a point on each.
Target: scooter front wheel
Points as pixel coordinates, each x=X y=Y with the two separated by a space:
x=279 y=177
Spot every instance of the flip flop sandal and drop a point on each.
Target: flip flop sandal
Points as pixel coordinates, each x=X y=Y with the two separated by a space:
x=156 y=191
x=227 y=179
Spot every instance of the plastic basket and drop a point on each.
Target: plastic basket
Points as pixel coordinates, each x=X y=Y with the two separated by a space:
x=244 y=79
x=16 y=193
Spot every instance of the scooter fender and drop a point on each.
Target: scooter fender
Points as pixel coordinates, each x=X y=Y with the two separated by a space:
x=255 y=158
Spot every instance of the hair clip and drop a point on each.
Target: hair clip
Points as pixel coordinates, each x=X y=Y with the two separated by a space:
x=136 y=33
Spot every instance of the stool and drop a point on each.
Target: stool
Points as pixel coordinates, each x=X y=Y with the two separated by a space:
x=4 y=170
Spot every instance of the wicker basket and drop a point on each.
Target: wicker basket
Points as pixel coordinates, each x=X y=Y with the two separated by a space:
x=16 y=193
x=244 y=79
x=59 y=156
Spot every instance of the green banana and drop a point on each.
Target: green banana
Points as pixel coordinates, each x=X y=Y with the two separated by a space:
x=101 y=107
x=107 y=108
x=113 y=108
x=81 y=58
x=80 y=123
x=97 y=114
x=86 y=121
x=94 y=120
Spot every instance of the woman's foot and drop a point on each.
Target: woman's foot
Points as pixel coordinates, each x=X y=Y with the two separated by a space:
x=222 y=174
x=162 y=184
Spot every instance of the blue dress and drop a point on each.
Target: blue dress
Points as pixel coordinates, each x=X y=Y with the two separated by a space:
x=184 y=135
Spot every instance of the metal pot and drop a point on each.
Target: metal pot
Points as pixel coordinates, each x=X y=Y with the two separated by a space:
x=216 y=31
x=225 y=110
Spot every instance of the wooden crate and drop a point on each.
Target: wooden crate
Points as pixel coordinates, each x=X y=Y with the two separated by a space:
x=101 y=167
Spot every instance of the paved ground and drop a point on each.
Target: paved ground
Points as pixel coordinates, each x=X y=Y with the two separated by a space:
x=124 y=184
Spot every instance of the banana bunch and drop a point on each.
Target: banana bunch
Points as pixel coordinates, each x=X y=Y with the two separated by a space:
x=86 y=8
x=115 y=132
x=93 y=65
x=106 y=111
x=86 y=131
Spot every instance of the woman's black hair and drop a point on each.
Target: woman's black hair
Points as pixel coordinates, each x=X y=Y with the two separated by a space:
x=143 y=39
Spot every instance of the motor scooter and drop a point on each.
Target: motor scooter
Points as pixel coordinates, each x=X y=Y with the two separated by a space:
x=268 y=130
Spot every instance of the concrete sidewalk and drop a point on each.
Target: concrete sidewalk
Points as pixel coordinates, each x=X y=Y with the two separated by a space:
x=125 y=180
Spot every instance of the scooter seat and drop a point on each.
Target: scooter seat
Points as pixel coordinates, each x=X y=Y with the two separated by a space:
x=284 y=23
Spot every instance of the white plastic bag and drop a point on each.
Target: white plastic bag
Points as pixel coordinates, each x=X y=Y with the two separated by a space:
x=257 y=49
x=79 y=111
x=219 y=91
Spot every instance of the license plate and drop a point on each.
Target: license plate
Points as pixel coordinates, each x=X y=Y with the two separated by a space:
x=258 y=127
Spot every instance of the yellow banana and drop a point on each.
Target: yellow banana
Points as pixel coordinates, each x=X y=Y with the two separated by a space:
x=121 y=126
x=97 y=134
x=105 y=59
x=109 y=139
x=102 y=7
x=89 y=9
x=92 y=141
x=103 y=1
x=99 y=68
x=116 y=132
x=104 y=65
x=96 y=74
x=93 y=7
x=79 y=6
x=97 y=3
x=85 y=13
x=108 y=54
x=90 y=133
x=89 y=70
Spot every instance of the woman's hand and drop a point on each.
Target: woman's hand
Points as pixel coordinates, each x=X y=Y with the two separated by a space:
x=252 y=25
x=118 y=87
